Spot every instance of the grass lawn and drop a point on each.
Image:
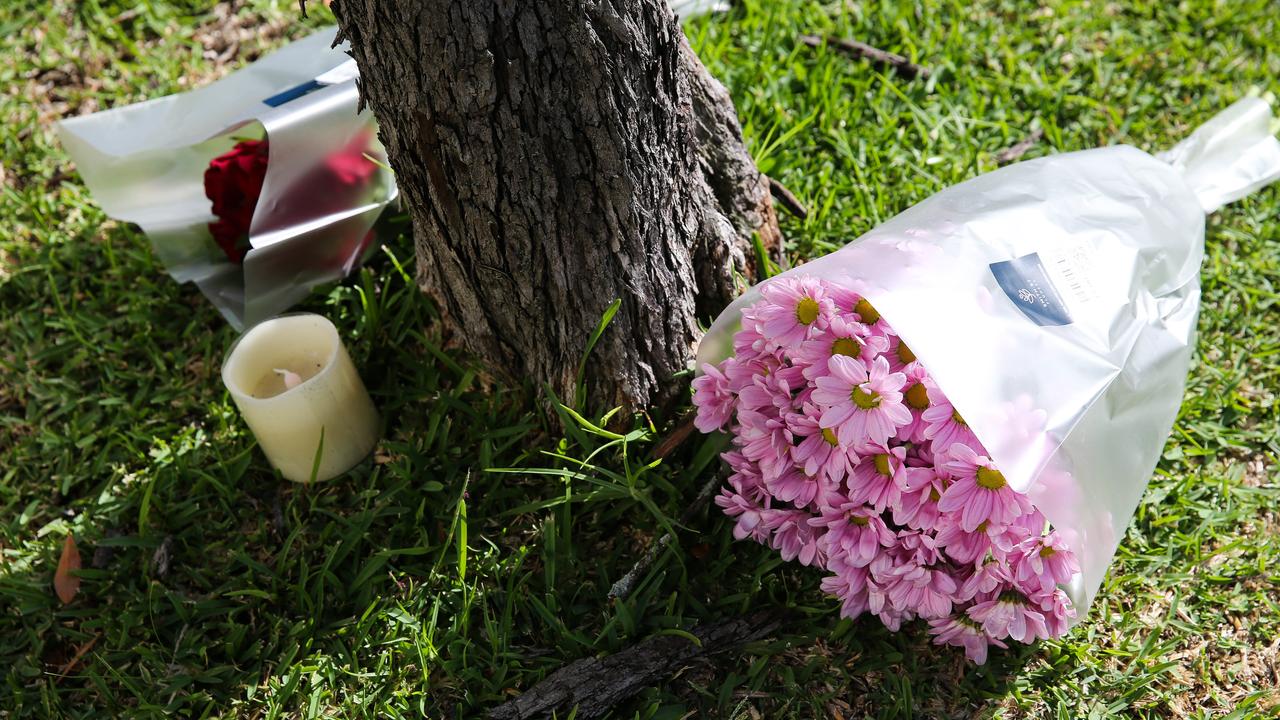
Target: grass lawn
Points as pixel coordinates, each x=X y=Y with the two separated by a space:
x=426 y=583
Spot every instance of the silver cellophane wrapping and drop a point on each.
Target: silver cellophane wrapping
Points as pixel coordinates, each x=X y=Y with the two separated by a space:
x=1054 y=301
x=145 y=164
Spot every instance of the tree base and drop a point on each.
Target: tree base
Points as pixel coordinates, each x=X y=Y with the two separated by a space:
x=556 y=157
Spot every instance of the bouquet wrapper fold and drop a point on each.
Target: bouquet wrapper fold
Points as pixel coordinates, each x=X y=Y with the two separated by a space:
x=145 y=164
x=1054 y=301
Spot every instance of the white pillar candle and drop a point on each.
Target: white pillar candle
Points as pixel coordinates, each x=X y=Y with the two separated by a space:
x=292 y=379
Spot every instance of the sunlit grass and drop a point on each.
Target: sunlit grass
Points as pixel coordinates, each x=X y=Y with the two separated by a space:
x=476 y=552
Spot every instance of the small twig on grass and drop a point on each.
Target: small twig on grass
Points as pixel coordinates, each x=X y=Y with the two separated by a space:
x=1009 y=154
x=595 y=685
x=625 y=584
x=75 y=659
x=903 y=66
x=787 y=199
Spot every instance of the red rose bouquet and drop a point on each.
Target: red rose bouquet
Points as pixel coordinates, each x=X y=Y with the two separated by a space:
x=234 y=182
x=289 y=203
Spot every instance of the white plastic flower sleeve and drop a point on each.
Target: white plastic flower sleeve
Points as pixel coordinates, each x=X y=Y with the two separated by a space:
x=145 y=164
x=1054 y=302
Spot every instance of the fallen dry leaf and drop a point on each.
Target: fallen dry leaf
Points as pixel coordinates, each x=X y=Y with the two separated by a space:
x=64 y=582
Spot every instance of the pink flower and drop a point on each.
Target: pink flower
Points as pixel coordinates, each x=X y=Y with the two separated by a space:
x=917 y=503
x=1010 y=614
x=945 y=427
x=764 y=439
x=793 y=309
x=960 y=631
x=748 y=342
x=837 y=428
x=851 y=585
x=750 y=516
x=767 y=392
x=875 y=480
x=819 y=451
x=846 y=337
x=844 y=296
x=921 y=456
x=794 y=537
x=979 y=491
x=1022 y=419
x=1055 y=487
x=862 y=406
x=746 y=479
x=793 y=486
x=915 y=395
x=712 y=397
x=891 y=617
x=967 y=546
x=744 y=372
x=789 y=378
x=855 y=534
x=1042 y=563
x=866 y=313
x=831 y=493
x=985 y=580
x=1058 y=612
x=1030 y=524
x=900 y=356
x=925 y=590
x=915 y=546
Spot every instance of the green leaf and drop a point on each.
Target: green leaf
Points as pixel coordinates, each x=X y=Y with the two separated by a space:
x=580 y=391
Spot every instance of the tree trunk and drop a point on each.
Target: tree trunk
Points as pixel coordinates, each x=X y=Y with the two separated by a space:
x=555 y=156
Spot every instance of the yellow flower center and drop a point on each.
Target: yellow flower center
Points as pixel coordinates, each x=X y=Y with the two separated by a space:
x=1047 y=552
x=982 y=526
x=933 y=495
x=905 y=354
x=917 y=396
x=847 y=347
x=859 y=520
x=807 y=310
x=868 y=314
x=829 y=436
x=865 y=400
x=955 y=415
x=1013 y=597
x=882 y=465
x=990 y=479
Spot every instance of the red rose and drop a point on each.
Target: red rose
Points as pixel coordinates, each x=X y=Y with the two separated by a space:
x=233 y=182
x=349 y=166
x=340 y=182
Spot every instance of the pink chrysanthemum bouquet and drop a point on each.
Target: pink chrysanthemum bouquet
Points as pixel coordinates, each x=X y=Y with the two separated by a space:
x=984 y=485
x=847 y=457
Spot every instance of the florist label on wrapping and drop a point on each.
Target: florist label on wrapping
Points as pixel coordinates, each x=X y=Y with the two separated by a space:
x=1025 y=282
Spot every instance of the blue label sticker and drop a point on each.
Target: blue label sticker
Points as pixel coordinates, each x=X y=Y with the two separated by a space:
x=293 y=93
x=1025 y=282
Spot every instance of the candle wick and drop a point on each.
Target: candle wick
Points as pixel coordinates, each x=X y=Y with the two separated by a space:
x=291 y=379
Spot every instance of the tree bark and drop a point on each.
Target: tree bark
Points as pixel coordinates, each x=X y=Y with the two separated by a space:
x=555 y=156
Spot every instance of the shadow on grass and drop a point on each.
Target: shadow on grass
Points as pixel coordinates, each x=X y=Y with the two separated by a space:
x=417 y=583
x=816 y=664
x=207 y=581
